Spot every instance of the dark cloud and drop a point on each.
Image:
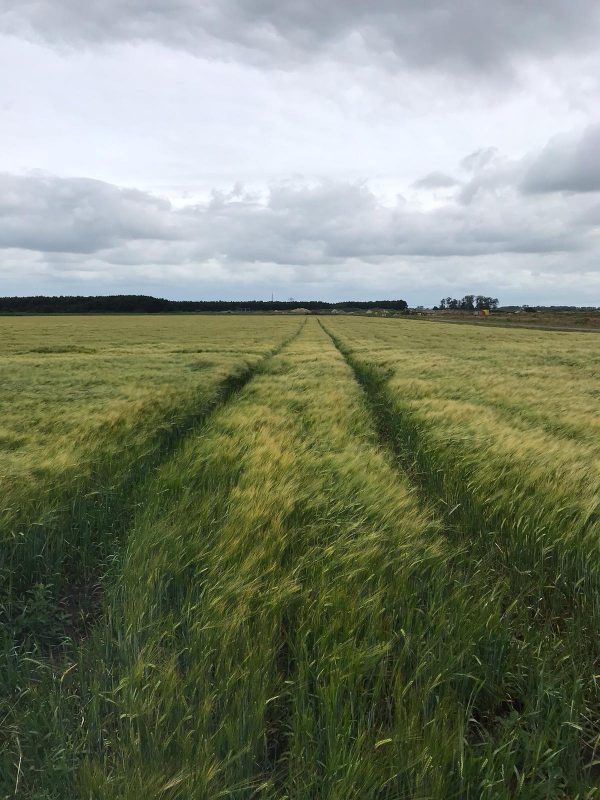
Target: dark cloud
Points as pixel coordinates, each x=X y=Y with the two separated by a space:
x=458 y=36
x=566 y=164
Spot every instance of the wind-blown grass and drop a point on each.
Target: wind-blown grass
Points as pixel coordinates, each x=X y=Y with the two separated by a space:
x=91 y=430
x=310 y=599
x=524 y=493
x=503 y=430
x=80 y=428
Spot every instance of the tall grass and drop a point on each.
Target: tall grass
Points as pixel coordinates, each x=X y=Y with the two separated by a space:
x=525 y=497
x=252 y=613
x=511 y=462
x=74 y=482
x=296 y=609
x=91 y=428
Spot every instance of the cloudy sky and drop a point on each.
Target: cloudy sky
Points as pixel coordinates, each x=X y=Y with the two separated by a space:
x=347 y=149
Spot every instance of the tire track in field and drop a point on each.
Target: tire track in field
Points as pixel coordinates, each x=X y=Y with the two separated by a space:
x=171 y=440
x=288 y=513
x=548 y=608
x=102 y=510
x=72 y=612
x=300 y=637
x=449 y=492
x=372 y=381
x=450 y=489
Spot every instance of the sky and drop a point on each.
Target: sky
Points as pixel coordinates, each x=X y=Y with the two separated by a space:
x=238 y=149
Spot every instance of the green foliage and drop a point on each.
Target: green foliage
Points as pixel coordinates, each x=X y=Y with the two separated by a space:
x=340 y=562
x=469 y=303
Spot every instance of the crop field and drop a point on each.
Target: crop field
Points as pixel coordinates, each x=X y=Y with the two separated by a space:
x=282 y=558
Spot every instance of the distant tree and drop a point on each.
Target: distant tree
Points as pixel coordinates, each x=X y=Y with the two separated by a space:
x=469 y=303
x=491 y=303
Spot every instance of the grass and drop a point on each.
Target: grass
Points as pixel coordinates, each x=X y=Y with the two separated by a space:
x=80 y=422
x=85 y=433
x=497 y=429
x=344 y=558
x=501 y=426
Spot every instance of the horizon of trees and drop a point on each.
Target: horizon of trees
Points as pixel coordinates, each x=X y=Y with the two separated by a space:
x=146 y=304
x=122 y=304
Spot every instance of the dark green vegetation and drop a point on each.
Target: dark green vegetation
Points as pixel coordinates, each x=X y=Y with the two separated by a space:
x=469 y=302
x=344 y=561
x=129 y=304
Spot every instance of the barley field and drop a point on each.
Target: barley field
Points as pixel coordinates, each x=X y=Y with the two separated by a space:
x=281 y=558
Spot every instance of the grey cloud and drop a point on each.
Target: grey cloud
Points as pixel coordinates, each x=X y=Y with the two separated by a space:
x=435 y=180
x=566 y=164
x=327 y=239
x=332 y=222
x=45 y=213
x=302 y=225
x=469 y=35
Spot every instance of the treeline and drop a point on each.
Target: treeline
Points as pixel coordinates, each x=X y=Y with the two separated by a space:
x=143 y=304
x=469 y=302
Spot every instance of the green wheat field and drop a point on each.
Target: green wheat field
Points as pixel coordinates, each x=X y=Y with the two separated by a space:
x=271 y=557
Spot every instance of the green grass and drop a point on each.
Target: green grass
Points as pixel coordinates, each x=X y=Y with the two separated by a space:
x=85 y=434
x=346 y=558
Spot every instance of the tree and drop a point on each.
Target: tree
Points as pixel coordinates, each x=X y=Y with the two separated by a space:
x=491 y=303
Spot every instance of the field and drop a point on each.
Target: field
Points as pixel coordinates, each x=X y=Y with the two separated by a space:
x=274 y=557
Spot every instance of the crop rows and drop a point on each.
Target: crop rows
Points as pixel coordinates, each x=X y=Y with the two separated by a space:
x=350 y=558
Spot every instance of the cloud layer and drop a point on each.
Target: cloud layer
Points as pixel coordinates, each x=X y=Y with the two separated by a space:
x=440 y=34
x=389 y=148
x=314 y=231
x=290 y=224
